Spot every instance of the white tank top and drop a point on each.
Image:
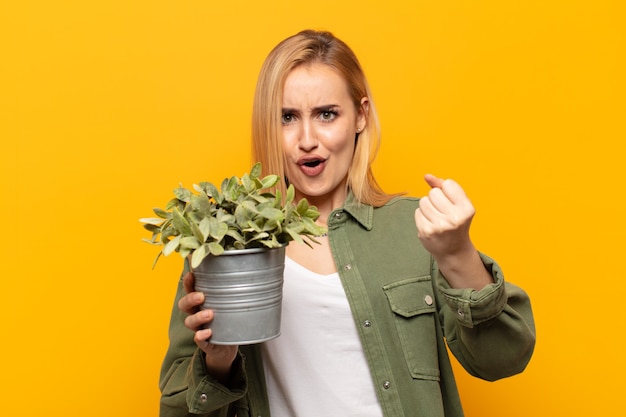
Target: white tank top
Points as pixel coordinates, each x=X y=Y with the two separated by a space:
x=317 y=367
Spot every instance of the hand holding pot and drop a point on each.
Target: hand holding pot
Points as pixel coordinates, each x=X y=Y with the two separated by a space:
x=219 y=358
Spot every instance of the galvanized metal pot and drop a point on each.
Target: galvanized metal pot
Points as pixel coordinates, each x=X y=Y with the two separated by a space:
x=244 y=289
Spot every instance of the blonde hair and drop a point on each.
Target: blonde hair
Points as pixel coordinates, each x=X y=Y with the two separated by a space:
x=308 y=47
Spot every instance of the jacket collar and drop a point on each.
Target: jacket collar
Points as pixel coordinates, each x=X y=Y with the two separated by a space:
x=362 y=213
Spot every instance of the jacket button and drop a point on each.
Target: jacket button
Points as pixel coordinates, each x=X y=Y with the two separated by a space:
x=386 y=385
x=460 y=312
x=367 y=323
x=428 y=300
x=203 y=397
x=347 y=267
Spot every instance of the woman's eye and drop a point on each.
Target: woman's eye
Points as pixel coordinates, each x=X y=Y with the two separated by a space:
x=328 y=115
x=287 y=118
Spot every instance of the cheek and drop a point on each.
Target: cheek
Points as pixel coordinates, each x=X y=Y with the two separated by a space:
x=289 y=142
x=342 y=141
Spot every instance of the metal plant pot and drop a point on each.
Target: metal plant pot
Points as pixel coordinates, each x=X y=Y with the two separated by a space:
x=244 y=289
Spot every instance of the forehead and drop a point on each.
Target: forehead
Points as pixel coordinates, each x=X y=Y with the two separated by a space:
x=315 y=82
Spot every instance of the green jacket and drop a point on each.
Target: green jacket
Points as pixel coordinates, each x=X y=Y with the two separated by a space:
x=405 y=312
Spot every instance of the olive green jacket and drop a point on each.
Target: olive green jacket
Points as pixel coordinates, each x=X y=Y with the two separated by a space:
x=405 y=312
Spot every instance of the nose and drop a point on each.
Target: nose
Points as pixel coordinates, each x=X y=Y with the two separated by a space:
x=308 y=137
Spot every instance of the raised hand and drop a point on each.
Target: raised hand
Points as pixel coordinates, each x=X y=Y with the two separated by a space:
x=443 y=222
x=444 y=217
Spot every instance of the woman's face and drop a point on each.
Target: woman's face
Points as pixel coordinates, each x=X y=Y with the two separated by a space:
x=320 y=123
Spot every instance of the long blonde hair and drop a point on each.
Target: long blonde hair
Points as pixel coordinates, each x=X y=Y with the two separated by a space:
x=309 y=47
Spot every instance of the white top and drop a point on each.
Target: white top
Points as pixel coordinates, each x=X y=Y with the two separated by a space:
x=317 y=366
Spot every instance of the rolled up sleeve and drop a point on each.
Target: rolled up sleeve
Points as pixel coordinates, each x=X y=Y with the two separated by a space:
x=491 y=331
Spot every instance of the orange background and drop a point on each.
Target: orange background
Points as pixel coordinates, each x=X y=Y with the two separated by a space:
x=106 y=106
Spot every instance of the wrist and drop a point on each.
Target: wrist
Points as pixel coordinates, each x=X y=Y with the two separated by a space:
x=464 y=269
x=221 y=371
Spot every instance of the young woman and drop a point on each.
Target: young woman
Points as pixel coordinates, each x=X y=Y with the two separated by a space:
x=368 y=312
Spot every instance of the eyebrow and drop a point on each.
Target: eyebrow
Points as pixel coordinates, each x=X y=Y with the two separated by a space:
x=315 y=109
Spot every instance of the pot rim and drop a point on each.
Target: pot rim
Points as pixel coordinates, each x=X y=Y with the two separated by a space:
x=248 y=250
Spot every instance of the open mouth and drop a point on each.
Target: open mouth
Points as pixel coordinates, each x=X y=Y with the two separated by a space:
x=313 y=164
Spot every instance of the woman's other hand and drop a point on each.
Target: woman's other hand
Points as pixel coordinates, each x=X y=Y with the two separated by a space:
x=219 y=358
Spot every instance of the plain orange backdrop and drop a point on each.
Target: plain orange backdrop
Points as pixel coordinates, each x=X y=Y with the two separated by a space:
x=105 y=107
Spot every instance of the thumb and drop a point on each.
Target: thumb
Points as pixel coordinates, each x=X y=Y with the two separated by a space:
x=433 y=181
x=188 y=282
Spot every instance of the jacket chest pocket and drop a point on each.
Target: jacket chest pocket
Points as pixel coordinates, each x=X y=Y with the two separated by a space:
x=413 y=304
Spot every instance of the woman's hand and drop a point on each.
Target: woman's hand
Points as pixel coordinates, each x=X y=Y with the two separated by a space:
x=443 y=218
x=219 y=358
x=443 y=222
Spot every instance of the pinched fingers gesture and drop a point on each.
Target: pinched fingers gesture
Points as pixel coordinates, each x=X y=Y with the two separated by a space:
x=443 y=218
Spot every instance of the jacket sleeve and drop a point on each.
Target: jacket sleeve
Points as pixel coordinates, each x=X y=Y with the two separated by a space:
x=491 y=332
x=186 y=388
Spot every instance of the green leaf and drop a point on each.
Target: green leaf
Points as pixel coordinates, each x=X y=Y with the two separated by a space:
x=235 y=235
x=215 y=248
x=152 y=228
x=247 y=183
x=258 y=184
x=312 y=228
x=271 y=243
x=272 y=213
x=227 y=218
x=255 y=171
x=294 y=234
x=180 y=223
x=198 y=255
x=197 y=233
x=312 y=213
x=278 y=199
x=260 y=199
x=152 y=242
x=201 y=204
x=184 y=252
x=183 y=194
x=217 y=229
x=289 y=211
x=205 y=228
x=257 y=236
x=250 y=206
x=189 y=242
x=229 y=188
x=168 y=232
x=302 y=207
x=270 y=181
x=243 y=215
x=212 y=191
x=171 y=246
x=272 y=226
x=156 y=259
x=291 y=194
x=161 y=213
x=174 y=202
x=253 y=226
x=151 y=220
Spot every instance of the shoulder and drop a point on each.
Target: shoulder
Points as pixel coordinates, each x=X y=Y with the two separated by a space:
x=399 y=204
x=398 y=213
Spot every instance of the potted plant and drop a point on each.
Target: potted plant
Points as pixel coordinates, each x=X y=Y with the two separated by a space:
x=234 y=240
